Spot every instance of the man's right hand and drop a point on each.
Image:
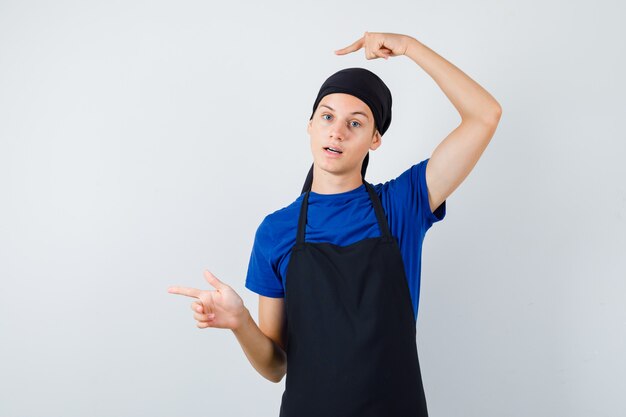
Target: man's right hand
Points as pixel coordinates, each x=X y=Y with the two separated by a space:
x=221 y=308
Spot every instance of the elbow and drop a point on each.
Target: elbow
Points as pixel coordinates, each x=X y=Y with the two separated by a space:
x=276 y=380
x=489 y=118
x=277 y=376
x=495 y=115
x=279 y=370
x=498 y=113
x=492 y=117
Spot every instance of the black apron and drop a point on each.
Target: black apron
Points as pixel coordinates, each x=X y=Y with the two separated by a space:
x=351 y=333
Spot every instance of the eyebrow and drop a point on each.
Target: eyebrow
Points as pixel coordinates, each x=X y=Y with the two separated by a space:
x=354 y=112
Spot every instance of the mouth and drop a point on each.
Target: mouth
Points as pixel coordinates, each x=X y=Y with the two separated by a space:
x=336 y=151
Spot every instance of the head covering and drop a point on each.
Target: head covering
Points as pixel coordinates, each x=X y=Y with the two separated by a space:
x=366 y=86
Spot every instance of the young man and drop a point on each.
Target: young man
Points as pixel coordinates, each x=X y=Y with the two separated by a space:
x=338 y=270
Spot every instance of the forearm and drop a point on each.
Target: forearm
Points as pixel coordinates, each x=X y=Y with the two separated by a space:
x=468 y=97
x=262 y=352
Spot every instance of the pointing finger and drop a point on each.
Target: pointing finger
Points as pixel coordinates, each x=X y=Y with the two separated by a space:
x=189 y=292
x=358 y=44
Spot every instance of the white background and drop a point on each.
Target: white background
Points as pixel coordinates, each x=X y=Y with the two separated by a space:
x=142 y=142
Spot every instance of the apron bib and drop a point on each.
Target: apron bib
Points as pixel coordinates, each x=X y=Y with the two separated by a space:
x=351 y=348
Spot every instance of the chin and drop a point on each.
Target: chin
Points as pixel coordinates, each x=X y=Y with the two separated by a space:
x=334 y=169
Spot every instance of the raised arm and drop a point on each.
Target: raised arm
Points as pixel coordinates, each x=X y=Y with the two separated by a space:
x=454 y=158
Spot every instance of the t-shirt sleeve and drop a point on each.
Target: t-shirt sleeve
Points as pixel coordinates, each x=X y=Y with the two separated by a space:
x=414 y=179
x=262 y=277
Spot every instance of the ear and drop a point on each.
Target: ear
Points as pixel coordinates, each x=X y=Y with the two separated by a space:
x=376 y=141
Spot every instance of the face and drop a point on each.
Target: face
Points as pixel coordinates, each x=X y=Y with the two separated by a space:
x=346 y=124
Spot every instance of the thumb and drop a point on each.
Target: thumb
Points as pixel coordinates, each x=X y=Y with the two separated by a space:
x=212 y=279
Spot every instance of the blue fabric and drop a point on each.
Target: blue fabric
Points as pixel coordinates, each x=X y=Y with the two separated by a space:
x=343 y=219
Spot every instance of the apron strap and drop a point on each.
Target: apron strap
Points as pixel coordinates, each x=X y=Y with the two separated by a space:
x=380 y=213
x=378 y=210
x=302 y=219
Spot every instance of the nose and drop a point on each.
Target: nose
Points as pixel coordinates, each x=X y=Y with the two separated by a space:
x=338 y=131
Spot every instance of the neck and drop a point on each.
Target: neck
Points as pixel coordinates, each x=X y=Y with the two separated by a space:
x=326 y=183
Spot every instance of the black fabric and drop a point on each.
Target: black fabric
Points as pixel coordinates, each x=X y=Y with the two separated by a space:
x=351 y=334
x=366 y=86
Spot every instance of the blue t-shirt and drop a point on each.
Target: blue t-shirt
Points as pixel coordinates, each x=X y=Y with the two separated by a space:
x=343 y=219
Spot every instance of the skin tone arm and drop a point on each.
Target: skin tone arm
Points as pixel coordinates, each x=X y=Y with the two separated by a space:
x=455 y=157
x=223 y=308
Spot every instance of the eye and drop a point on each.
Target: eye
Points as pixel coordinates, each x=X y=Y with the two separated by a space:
x=357 y=123
x=326 y=114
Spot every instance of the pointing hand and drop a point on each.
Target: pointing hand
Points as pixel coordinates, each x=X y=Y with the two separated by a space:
x=378 y=45
x=221 y=308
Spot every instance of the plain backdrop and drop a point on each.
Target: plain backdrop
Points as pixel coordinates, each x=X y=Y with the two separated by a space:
x=144 y=141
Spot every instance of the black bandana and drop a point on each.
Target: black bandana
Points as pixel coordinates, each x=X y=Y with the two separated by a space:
x=366 y=86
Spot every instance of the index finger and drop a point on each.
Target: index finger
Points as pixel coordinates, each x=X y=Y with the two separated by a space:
x=358 y=44
x=189 y=292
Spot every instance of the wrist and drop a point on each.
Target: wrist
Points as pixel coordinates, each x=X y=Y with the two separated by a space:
x=410 y=43
x=242 y=320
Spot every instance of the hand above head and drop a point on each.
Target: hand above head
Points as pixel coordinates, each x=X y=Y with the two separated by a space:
x=378 y=45
x=221 y=308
